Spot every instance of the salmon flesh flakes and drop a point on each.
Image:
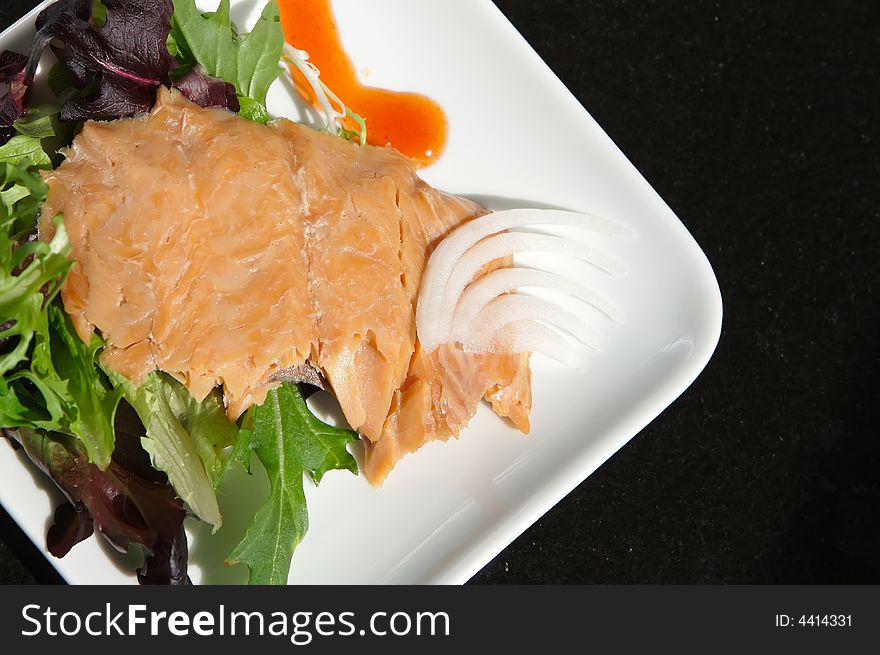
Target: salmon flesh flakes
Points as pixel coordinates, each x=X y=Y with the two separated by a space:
x=229 y=253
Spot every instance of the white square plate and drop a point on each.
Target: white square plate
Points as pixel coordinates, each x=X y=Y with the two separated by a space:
x=517 y=137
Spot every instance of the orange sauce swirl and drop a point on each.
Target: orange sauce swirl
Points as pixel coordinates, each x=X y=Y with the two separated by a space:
x=414 y=124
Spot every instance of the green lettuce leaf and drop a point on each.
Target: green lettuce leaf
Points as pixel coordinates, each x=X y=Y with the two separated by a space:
x=239 y=453
x=41 y=122
x=289 y=441
x=49 y=379
x=31 y=273
x=38 y=122
x=21 y=195
x=62 y=391
x=247 y=61
x=37 y=405
x=253 y=110
x=26 y=270
x=93 y=403
x=185 y=438
x=24 y=151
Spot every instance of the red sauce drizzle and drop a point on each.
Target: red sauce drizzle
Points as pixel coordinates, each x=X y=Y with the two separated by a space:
x=412 y=123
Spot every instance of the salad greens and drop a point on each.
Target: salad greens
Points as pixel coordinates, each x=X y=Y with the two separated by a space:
x=118 y=51
x=39 y=122
x=249 y=61
x=133 y=459
x=89 y=404
x=59 y=388
x=12 y=91
x=289 y=441
x=129 y=501
x=185 y=438
x=115 y=56
x=25 y=268
x=25 y=151
x=58 y=405
x=42 y=122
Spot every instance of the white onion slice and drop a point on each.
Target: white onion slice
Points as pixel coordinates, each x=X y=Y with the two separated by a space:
x=488 y=287
x=513 y=307
x=503 y=245
x=527 y=337
x=509 y=243
x=433 y=315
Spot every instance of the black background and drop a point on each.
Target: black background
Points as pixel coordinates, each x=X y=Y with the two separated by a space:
x=756 y=122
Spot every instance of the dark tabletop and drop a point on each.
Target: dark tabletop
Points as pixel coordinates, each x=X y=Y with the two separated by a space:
x=757 y=123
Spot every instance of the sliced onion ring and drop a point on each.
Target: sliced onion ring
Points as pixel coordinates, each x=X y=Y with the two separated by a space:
x=465 y=251
x=514 y=307
x=509 y=243
x=488 y=287
x=528 y=337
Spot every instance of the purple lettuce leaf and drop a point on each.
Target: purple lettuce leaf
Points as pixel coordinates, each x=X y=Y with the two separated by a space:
x=125 y=53
x=166 y=563
x=13 y=91
x=128 y=503
x=70 y=527
x=207 y=91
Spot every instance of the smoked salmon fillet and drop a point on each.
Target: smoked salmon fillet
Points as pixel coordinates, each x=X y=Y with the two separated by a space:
x=225 y=252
